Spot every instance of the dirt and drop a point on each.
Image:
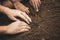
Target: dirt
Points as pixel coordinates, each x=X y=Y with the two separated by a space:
x=45 y=24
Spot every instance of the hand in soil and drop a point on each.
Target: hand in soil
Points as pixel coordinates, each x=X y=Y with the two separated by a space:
x=21 y=7
x=11 y=13
x=17 y=27
x=35 y=4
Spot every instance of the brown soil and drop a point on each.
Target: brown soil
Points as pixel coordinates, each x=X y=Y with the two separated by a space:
x=45 y=25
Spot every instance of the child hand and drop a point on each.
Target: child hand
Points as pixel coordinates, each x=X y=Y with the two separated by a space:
x=20 y=6
x=35 y=4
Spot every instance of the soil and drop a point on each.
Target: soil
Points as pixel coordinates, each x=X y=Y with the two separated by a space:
x=45 y=23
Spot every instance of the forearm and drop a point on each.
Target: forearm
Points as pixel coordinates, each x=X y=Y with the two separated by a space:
x=3 y=9
x=2 y=29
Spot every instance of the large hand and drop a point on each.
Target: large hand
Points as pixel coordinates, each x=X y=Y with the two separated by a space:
x=35 y=4
x=17 y=27
x=11 y=13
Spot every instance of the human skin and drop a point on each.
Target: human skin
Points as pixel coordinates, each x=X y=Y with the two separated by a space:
x=36 y=4
x=18 y=26
x=19 y=6
x=11 y=13
x=14 y=28
x=7 y=3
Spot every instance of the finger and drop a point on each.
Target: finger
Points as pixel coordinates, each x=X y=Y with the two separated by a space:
x=26 y=16
x=13 y=26
x=31 y=3
x=20 y=31
x=39 y=1
x=24 y=27
x=27 y=11
x=22 y=16
x=23 y=30
x=15 y=29
x=36 y=6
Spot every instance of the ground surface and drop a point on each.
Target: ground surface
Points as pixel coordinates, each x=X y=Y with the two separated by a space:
x=45 y=25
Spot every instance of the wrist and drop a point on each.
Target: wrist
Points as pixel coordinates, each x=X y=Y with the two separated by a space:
x=3 y=29
x=3 y=9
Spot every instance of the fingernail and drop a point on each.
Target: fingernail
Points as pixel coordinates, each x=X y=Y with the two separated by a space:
x=27 y=8
x=37 y=10
x=25 y=29
x=30 y=20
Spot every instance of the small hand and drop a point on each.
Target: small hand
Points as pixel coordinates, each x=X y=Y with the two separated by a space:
x=11 y=13
x=19 y=6
x=17 y=27
x=35 y=4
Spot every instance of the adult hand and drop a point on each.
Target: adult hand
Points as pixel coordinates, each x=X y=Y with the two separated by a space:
x=35 y=4
x=17 y=27
x=11 y=13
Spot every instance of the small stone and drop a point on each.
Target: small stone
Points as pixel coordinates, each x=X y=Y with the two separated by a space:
x=48 y=10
